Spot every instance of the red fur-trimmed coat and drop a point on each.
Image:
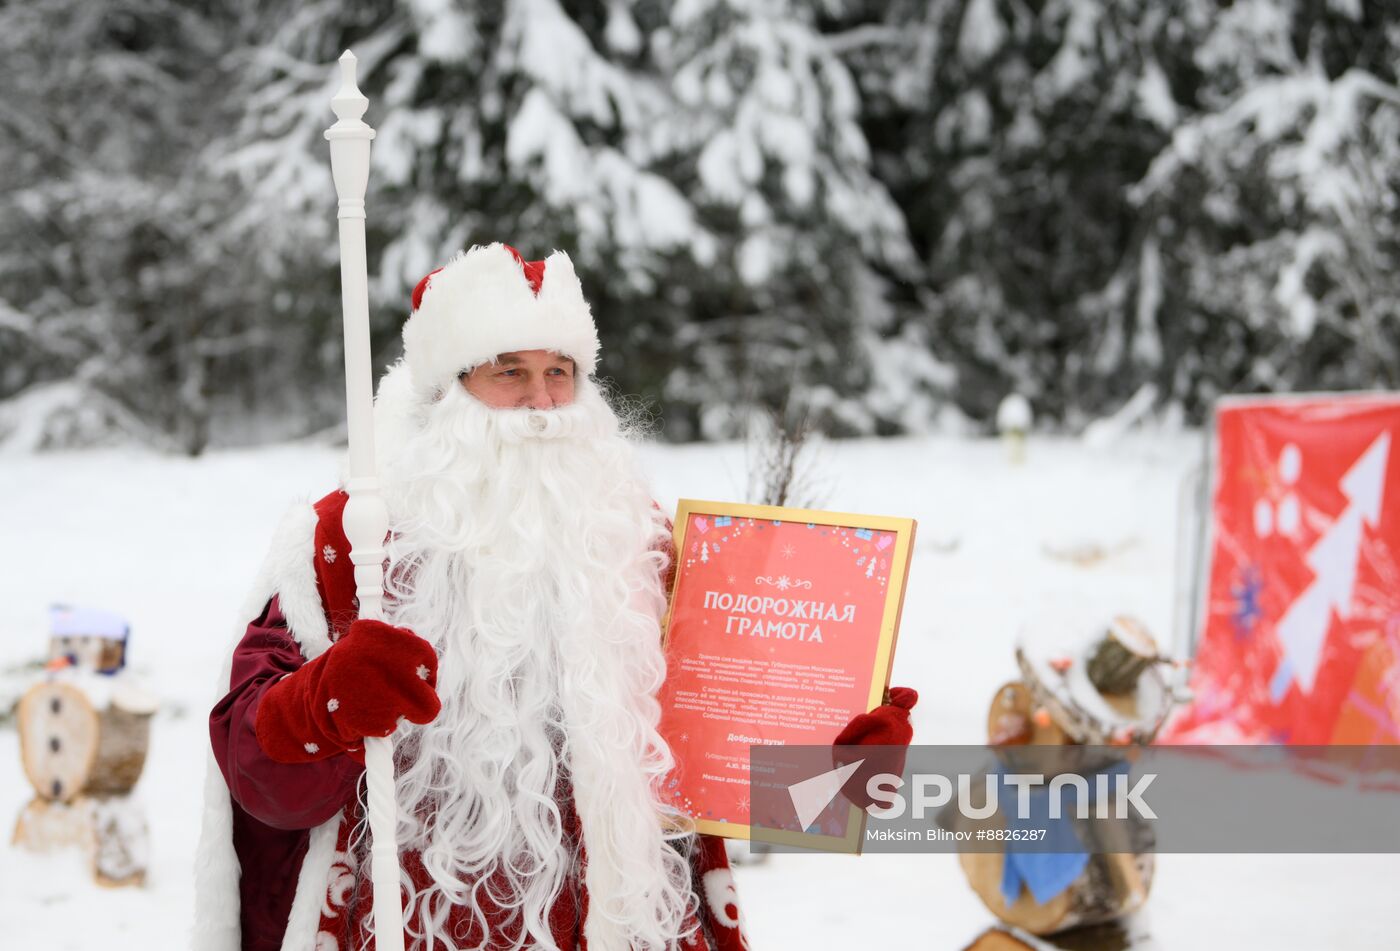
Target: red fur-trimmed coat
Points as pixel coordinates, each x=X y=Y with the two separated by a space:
x=275 y=870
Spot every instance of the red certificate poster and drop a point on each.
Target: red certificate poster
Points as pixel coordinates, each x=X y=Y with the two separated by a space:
x=782 y=628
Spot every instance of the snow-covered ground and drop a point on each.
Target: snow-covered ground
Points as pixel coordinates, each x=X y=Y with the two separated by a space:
x=173 y=544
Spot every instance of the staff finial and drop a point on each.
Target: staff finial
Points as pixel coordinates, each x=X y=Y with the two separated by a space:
x=349 y=104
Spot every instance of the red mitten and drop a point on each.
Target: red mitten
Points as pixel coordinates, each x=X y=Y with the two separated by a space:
x=360 y=687
x=887 y=726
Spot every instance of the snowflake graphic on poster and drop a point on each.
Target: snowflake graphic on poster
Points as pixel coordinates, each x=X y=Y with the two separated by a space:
x=783 y=582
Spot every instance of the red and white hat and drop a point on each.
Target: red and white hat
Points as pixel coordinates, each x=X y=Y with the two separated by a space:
x=489 y=301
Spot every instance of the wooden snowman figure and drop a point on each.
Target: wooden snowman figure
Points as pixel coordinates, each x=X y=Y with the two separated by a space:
x=84 y=732
x=1110 y=692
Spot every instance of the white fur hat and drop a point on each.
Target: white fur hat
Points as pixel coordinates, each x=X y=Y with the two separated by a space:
x=489 y=301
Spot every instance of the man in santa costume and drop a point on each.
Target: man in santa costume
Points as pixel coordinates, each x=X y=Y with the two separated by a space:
x=517 y=666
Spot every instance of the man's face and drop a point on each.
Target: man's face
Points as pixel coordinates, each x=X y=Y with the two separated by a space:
x=537 y=379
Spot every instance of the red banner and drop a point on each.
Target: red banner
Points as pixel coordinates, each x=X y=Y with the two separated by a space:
x=1300 y=641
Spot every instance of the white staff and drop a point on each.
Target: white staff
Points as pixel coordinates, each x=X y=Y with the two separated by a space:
x=366 y=518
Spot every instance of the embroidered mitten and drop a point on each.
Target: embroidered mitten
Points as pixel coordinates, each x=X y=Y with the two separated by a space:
x=359 y=687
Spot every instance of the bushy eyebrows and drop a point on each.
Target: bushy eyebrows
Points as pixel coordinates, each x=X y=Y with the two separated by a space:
x=510 y=360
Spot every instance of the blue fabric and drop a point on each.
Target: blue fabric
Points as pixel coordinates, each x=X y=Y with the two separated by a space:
x=1032 y=864
x=1046 y=874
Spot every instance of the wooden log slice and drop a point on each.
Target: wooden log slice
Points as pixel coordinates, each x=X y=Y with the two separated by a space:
x=1015 y=719
x=994 y=939
x=45 y=825
x=58 y=730
x=69 y=747
x=1110 y=887
x=1009 y=717
x=111 y=831
x=123 y=739
x=1086 y=714
x=1111 y=936
x=1121 y=655
x=984 y=872
x=120 y=842
x=1114 y=882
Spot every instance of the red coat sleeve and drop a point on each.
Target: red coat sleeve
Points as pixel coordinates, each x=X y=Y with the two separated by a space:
x=280 y=795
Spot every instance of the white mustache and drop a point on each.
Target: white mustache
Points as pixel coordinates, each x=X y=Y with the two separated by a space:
x=522 y=425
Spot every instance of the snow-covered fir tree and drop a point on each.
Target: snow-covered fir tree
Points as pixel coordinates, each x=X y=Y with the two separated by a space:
x=1010 y=134
x=1193 y=197
x=516 y=120
x=773 y=156
x=1268 y=228
x=875 y=215
x=703 y=163
x=116 y=305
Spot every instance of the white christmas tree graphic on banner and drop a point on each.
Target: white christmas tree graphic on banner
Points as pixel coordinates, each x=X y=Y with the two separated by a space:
x=1303 y=628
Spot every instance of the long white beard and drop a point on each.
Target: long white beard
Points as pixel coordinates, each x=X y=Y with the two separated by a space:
x=526 y=548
